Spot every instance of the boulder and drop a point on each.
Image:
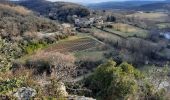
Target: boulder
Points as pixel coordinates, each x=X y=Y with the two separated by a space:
x=25 y=93
x=75 y=97
x=62 y=89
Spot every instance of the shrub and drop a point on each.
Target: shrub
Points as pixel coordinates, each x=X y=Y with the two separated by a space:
x=34 y=46
x=122 y=82
x=10 y=85
x=58 y=65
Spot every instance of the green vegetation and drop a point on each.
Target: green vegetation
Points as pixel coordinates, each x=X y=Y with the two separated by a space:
x=105 y=36
x=163 y=25
x=21 y=34
x=53 y=60
x=62 y=11
x=126 y=30
x=139 y=33
x=33 y=47
x=19 y=27
x=165 y=53
x=157 y=16
x=10 y=85
x=21 y=31
x=8 y=52
x=114 y=82
x=148 y=15
x=95 y=55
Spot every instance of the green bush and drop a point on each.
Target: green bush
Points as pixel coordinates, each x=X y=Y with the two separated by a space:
x=10 y=85
x=122 y=82
x=8 y=52
x=117 y=82
x=32 y=47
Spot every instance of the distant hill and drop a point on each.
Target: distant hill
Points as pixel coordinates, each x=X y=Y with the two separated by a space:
x=133 y=5
x=154 y=6
x=119 y=5
x=61 y=11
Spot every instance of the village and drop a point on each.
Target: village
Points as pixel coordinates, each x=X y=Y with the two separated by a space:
x=67 y=51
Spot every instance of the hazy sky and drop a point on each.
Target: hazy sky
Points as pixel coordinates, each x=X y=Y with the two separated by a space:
x=84 y=1
x=93 y=1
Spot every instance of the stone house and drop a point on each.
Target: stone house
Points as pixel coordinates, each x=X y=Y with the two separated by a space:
x=98 y=21
x=67 y=28
x=84 y=22
x=88 y=22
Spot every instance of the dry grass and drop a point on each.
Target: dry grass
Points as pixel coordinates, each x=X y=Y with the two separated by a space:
x=163 y=25
x=124 y=27
x=18 y=9
x=126 y=30
x=21 y=72
x=90 y=55
x=105 y=37
x=41 y=55
x=148 y=15
x=62 y=65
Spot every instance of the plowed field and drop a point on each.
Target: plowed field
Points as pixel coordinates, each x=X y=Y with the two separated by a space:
x=73 y=45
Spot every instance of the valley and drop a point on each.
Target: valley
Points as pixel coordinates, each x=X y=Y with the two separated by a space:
x=66 y=51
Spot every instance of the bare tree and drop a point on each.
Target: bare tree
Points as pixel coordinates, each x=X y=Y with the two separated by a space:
x=61 y=65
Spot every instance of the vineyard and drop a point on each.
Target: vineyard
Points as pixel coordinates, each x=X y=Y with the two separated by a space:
x=73 y=45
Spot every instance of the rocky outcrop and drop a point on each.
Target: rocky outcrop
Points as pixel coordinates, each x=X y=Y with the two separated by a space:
x=75 y=97
x=62 y=89
x=25 y=93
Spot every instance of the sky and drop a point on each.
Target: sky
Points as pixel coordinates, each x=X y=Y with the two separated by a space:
x=84 y=1
x=92 y=1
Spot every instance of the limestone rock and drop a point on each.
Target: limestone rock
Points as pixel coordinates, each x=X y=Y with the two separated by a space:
x=75 y=97
x=25 y=93
x=62 y=89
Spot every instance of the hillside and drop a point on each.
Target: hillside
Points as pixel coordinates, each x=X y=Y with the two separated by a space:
x=119 y=5
x=107 y=54
x=17 y=21
x=22 y=27
x=154 y=6
x=61 y=11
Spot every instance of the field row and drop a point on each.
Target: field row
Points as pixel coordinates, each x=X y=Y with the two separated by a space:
x=73 y=45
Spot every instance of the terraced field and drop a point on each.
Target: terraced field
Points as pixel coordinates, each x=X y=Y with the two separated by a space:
x=157 y=17
x=140 y=34
x=73 y=45
x=106 y=36
x=163 y=25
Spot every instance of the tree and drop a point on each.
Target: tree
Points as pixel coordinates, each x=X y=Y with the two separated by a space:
x=122 y=82
x=111 y=18
x=116 y=82
x=59 y=66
